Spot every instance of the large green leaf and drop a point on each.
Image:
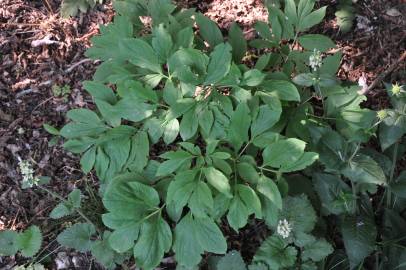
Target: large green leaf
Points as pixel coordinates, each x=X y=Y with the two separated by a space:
x=162 y=42
x=363 y=169
x=359 y=235
x=284 y=90
x=240 y=123
x=283 y=153
x=219 y=64
x=175 y=161
x=315 y=41
x=155 y=239
x=141 y=54
x=299 y=212
x=194 y=236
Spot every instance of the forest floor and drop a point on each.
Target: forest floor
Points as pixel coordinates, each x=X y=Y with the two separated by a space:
x=39 y=84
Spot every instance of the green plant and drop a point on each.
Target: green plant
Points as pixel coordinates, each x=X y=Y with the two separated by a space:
x=72 y=7
x=191 y=138
x=62 y=92
x=345 y=15
x=27 y=243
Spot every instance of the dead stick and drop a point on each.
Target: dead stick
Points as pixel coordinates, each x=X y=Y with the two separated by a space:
x=385 y=73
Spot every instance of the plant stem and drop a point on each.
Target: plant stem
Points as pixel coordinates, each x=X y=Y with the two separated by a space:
x=268 y=170
x=392 y=173
x=56 y=195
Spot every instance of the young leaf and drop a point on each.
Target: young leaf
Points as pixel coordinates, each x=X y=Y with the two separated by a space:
x=29 y=242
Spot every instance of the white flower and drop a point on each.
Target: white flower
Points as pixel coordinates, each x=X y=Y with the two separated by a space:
x=284 y=228
x=27 y=172
x=315 y=60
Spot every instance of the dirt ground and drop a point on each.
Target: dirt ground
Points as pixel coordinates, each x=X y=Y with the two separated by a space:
x=32 y=77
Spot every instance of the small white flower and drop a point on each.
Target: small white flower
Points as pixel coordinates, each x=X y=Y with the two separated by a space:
x=284 y=228
x=315 y=60
x=27 y=172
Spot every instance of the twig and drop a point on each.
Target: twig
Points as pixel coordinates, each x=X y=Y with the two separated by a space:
x=73 y=66
x=24 y=92
x=384 y=74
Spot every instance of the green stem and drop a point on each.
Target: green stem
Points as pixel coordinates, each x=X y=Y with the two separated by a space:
x=242 y=151
x=268 y=170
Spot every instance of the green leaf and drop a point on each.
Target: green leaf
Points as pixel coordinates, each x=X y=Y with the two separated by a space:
x=283 y=153
x=29 y=242
x=193 y=236
x=304 y=79
x=51 y=130
x=312 y=19
x=253 y=77
x=299 y=212
x=237 y=215
x=290 y=11
x=72 y=7
x=162 y=42
x=250 y=199
x=155 y=239
x=88 y=159
x=219 y=64
x=100 y=91
x=231 y=261
x=247 y=172
x=315 y=41
x=176 y=160
x=392 y=129
x=209 y=30
x=237 y=41
x=77 y=130
x=218 y=180
x=240 y=122
x=83 y=116
x=270 y=190
x=304 y=161
x=106 y=45
x=363 y=169
x=78 y=236
x=103 y=253
x=333 y=192
x=317 y=251
x=359 y=235
x=139 y=153
x=171 y=131
x=141 y=54
x=282 y=89
x=188 y=125
x=267 y=117
x=8 y=243
x=276 y=253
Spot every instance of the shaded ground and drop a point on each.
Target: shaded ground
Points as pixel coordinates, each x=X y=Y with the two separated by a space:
x=30 y=76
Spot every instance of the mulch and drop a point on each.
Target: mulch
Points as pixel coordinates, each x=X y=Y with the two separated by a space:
x=29 y=74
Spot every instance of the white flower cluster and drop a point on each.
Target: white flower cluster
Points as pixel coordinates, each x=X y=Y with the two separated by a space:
x=315 y=60
x=284 y=228
x=27 y=172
